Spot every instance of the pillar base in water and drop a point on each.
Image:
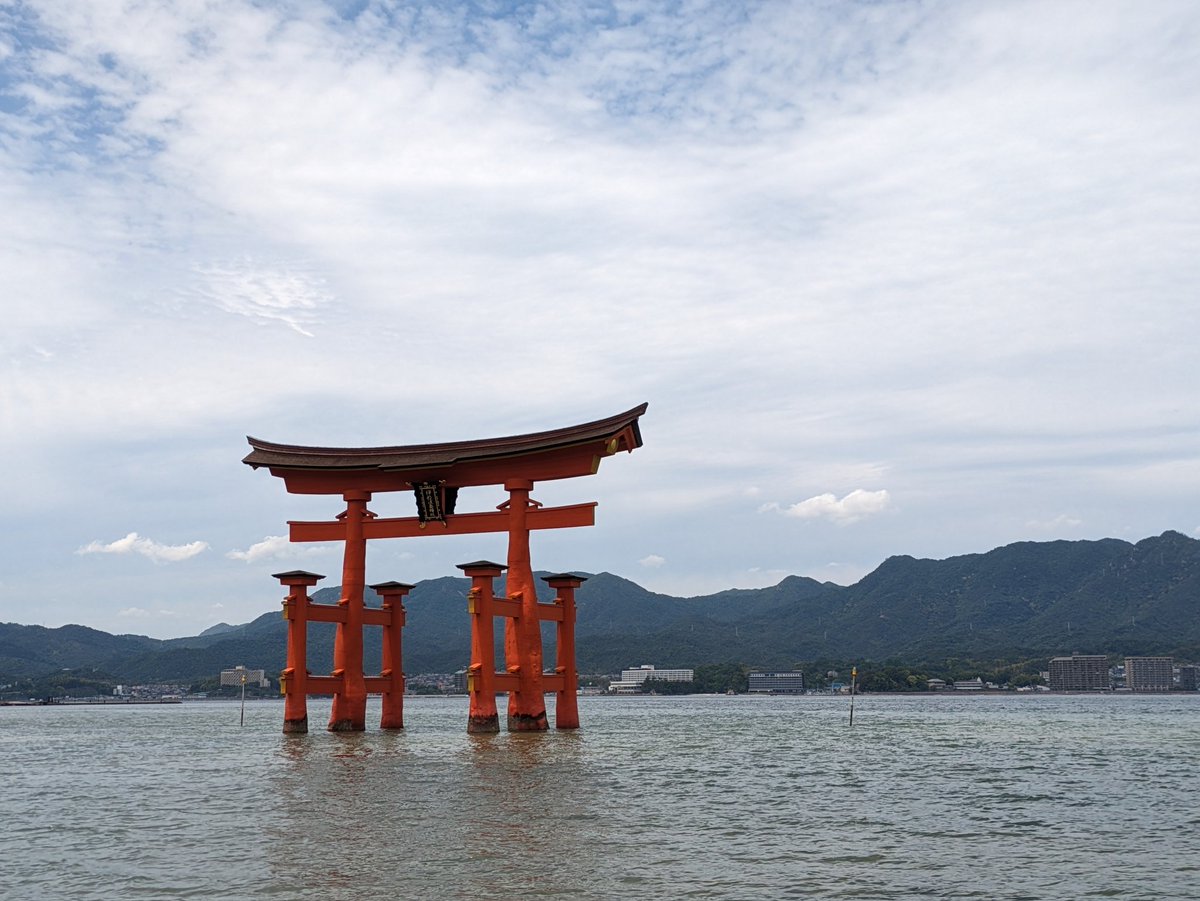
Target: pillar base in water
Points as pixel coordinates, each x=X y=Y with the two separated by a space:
x=527 y=722
x=295 y=726
x=347 y=725
x=486 y=723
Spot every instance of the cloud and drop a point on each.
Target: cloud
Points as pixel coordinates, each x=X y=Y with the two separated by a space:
x=271 y=546
x=1062 y=521
x=135 y=544
x=652 y=561
x=143 y=613
x=264 y=293
x=275 y=546
x=856 y=505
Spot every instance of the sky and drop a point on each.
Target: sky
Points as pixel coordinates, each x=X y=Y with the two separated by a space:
x=894 y=277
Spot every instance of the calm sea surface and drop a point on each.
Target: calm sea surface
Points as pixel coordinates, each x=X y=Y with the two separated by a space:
x=703 y=797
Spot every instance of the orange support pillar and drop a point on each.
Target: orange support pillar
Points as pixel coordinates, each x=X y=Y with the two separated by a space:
x=566 y=702
x=350 y=703
x=481 y=676
x=523 y=634
x=393 y=656
x=293 y=681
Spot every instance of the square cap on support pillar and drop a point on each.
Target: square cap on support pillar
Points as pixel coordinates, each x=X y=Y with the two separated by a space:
x=482 y=568
x=383 y=589
x=297 y=577
x=564 y=580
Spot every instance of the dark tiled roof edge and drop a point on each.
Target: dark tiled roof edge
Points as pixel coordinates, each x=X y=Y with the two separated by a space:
x=266 y=453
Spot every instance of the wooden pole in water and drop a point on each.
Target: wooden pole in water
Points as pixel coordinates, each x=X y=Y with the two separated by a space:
x=853 y=680
x=242 y=722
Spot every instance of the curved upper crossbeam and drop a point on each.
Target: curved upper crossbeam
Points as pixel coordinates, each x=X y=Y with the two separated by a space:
x=538 y=456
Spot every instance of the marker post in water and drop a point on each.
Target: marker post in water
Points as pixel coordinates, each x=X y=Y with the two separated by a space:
x=853 y=679
x=243 y=720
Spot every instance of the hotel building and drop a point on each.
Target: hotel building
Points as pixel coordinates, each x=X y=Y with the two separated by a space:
x=632 y=679
x=777 y=683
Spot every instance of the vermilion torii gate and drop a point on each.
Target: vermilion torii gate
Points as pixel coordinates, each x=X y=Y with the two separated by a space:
x=435 y=473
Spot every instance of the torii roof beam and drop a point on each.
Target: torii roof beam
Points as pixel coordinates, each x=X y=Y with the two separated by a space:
x=539 y=456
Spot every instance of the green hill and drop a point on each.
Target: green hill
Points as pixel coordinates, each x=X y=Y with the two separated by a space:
x=1021 y=601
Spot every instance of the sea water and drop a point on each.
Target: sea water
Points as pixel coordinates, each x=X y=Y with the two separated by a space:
x=991 y=797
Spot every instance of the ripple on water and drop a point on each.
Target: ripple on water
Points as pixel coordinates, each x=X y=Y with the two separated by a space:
x=654 y=798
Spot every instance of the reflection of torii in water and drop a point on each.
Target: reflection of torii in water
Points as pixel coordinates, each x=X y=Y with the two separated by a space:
x=435 y=473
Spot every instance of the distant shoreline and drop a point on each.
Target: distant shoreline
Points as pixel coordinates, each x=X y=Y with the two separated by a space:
x=127 y=702
x=91 y=702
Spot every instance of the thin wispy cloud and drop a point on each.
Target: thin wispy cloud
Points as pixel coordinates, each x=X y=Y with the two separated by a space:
x=265 y=295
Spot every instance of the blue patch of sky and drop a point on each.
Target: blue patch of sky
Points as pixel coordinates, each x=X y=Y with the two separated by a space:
x=460 y=32
x=683 y=48
x=349 y=9
x=19 y=31
x=81 y=125
x=10 y=103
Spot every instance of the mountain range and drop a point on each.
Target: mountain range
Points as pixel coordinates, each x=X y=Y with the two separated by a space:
x=1018 y=602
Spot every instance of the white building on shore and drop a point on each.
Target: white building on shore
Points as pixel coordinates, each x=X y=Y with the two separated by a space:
x=632 y=679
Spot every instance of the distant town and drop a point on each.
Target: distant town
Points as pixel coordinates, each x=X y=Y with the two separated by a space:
x=1074 y=673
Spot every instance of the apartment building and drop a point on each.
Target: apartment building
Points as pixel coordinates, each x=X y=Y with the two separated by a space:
x=1149 y=673
x=1079 y=672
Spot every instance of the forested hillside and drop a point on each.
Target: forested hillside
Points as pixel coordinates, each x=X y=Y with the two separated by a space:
x=1021 y=601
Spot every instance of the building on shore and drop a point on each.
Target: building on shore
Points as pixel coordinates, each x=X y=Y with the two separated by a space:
x=240 y=675
x=1080 y=672
x=776 y=683
x=1149 y=673
x=1189 y=678
x=648 y=671
x=632 y=679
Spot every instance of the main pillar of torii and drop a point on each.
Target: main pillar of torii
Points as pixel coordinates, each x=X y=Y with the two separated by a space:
x=434 y=473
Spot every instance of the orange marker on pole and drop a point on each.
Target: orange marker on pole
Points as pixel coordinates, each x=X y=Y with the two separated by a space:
x=853 y=679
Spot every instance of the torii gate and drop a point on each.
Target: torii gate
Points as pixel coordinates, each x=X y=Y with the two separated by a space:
x=435 y=473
